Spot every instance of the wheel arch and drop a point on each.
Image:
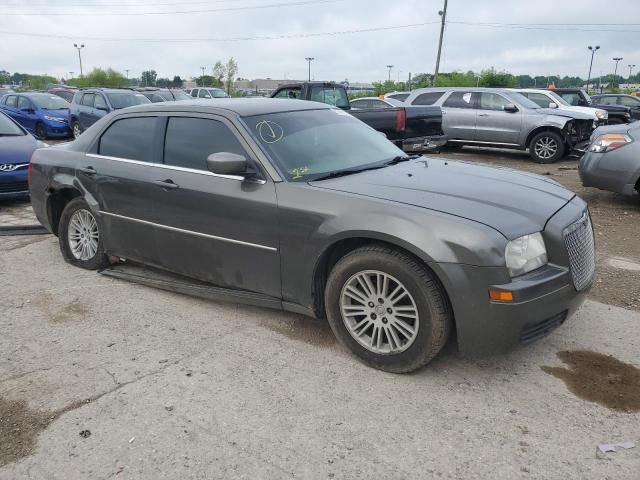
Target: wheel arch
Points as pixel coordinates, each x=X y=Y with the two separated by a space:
x=340 y=247
x=543 y=128
x=57 y=200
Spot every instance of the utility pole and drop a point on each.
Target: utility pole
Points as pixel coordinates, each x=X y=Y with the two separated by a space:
x=615 y=73
x=309 y=60
x=127 y=70
x=79 y=56
x=389 y=67
x=630 y=69
x=409 y=82
x=593 y=52
x=443 y=14
x=202 y=78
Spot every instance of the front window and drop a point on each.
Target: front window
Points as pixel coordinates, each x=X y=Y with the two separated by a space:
x=217 y=93
x=629 y=101
x=180 y=95
x=8 y=128
x=521 y=100
x=123 y=100
x=558 y=99
x=49 y=102
x=314 y=143
x=330 y=95
x=492 y=101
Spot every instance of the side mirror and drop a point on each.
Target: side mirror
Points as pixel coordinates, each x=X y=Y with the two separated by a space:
x=27 y=109
x=582 y=103
x=102 y=107
x=553 y=105
x=225 y=163
x=510 y=107
x=207 y=96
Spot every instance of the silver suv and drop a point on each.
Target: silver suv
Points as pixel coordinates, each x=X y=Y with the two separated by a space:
x=504 y=118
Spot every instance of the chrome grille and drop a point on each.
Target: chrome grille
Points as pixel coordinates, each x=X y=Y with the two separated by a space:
x=578 y=240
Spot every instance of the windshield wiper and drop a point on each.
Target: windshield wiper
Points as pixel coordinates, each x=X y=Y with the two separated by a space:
x=402 y=158
x=343 y=173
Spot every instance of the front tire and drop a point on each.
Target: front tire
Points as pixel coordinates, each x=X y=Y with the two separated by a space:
x=80 y=237
x=546 y=147
x=387 y=308
x=41 y=131
x=75 y=129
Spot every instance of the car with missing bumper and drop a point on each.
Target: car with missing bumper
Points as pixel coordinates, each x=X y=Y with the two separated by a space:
x=301 y=207
x=501 y=117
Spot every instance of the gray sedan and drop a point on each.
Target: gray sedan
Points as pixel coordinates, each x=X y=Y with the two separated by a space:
x=300 y=206
x=612 y=161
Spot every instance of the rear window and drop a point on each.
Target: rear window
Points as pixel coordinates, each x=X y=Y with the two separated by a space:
x=123 y=100
x=399 y=96
x=459 y=100
x=11 y=101
x=428 y=98
x=68 y=96
x=329 y=95
x=129 y=138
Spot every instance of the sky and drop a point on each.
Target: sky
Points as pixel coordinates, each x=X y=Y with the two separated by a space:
x=542 y=37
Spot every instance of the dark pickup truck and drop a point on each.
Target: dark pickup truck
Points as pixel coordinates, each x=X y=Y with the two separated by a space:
x=580 y=98
x=414 y=129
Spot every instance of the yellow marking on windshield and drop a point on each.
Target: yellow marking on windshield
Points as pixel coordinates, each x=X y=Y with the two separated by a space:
x=299 y=172
x=269 y=132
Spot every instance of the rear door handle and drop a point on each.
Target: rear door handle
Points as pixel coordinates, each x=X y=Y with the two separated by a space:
x=483 y=114
x=88 y=170
x=167 y=184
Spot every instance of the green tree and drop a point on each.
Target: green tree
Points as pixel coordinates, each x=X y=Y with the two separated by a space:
x=148 y=78
x=100 y=78
x=493 y=78
x=231 y=69
x=219 y=72
x=5 y=77
x=176 y=82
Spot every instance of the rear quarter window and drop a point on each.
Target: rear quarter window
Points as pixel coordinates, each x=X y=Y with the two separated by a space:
x=130 y=138
x=428 y=98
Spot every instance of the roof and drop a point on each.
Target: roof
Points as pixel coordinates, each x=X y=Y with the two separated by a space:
x=244 y=107
x=473 y=89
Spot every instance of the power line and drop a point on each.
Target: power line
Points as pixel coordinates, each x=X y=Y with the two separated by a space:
x=101 y=5
x=221 y=40
x=550 y=27
x=173 y=12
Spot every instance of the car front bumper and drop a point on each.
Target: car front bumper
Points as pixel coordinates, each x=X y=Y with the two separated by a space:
x=615 y=171
x=424 y=144
x=542 y=300
x=58 y=130
x=14 y=184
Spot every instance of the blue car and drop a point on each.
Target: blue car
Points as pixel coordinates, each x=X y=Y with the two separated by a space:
x=16 y=148
x=91 y=104
x=43 y=114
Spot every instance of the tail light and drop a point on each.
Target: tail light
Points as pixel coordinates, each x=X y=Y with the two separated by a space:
x=401 y=120
x=29 y=173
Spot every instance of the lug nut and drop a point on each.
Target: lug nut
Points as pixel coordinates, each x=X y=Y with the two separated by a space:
x=389 y=311
x=374 y=316
x=371 y=304
x=384 y=319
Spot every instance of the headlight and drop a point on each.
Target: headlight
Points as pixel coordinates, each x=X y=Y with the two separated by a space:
x=54 y=119
x=609 y=141
x=525 y=254
x=602 y=114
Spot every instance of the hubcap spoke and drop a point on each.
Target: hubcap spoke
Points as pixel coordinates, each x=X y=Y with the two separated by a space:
x=83 y=235
x=379 y=312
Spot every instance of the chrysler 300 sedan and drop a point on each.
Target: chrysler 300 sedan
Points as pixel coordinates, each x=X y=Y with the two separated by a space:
x=300 y=206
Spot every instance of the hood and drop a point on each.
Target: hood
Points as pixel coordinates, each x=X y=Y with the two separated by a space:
x=511 y=202
x=612 y=108
x=561 y=112
x=17 y=149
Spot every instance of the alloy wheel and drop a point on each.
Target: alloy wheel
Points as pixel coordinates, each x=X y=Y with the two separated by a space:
x=546 y=147
x=379 y=312
x=76 y=130
x=83 y=235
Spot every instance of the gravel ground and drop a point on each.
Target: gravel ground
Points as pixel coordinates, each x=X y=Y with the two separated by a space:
x=104 y=379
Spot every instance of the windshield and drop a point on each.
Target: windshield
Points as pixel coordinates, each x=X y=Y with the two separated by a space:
x=8 y=128
x=335 y=96
x=216 y=93
x=180 y=95
x=559 y=100
x=522 y=100
x=309 y=144
x=123 y=100
x=49 y=102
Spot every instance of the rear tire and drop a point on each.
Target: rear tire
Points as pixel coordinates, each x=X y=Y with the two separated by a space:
x=402 y=331
x=547 y=147
x=80 y=237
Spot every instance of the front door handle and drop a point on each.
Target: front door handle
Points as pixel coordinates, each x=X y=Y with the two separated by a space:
x=167 y=184
x=483 y=114
x=88 y=170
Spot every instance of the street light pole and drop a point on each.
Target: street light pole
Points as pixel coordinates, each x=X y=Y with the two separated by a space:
x=443 y=14
x=309 y=60
x=127 y=72
x=615 y=73
x=389 y=67
x=79 y=56
x=593 y=52
x=630 y=69
x=202 y=78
